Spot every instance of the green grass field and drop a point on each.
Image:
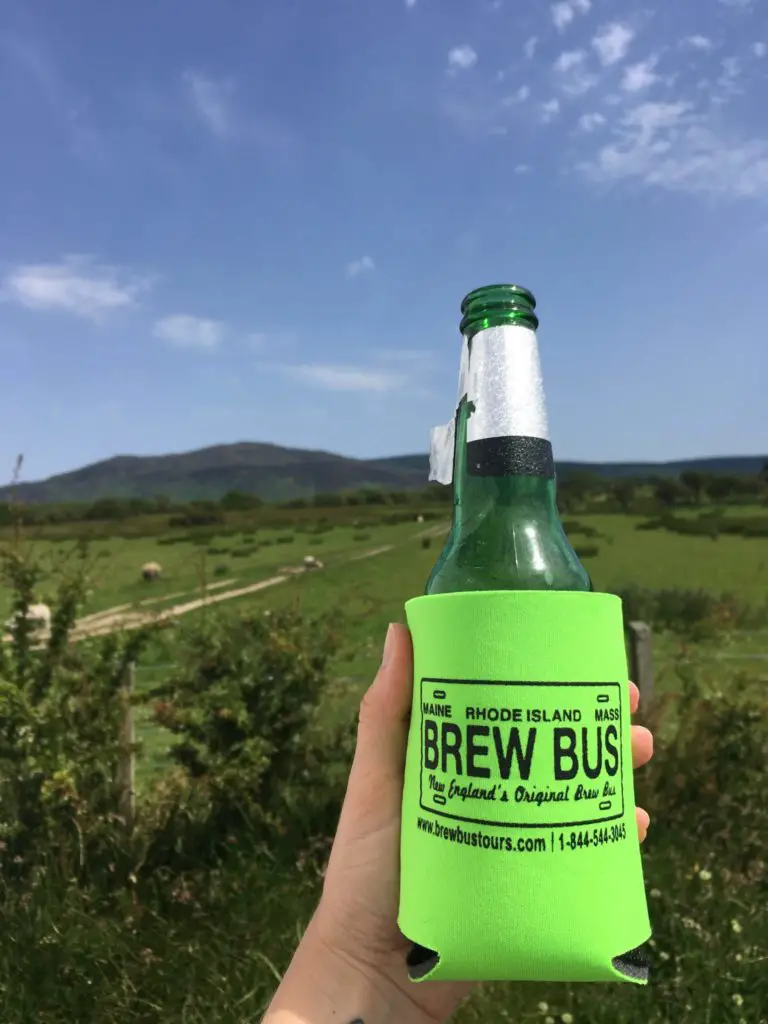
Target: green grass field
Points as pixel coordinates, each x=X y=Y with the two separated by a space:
x=366 y=588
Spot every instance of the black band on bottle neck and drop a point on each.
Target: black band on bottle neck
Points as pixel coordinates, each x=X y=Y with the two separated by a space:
x=511 y=456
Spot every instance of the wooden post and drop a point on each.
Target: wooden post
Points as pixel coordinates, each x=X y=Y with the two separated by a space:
x=641 y=658
x=126 y=766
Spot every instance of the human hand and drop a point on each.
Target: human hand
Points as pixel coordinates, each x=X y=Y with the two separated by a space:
x=354 y=931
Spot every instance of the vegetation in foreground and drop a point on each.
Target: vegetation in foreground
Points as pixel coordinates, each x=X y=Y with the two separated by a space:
x=192 y=915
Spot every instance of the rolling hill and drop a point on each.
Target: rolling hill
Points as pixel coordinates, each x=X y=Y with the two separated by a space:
x=279 y=474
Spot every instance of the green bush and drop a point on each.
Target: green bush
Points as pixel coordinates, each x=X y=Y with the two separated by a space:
x=220 y=570
x=241 y=706
x=361 y=536
x=287 y=538
x=694 y=614
x=587 y=550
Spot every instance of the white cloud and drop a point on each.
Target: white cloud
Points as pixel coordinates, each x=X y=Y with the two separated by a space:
x=519 y=96
x=185 y=331
x=639 y=76
x=211 y=99
x=530 y=47
x=698 y=43
x=589 y=122
x=574 y=79
x=355 y=267
x=612 y=42
x=77 y=285
x=570 y=59
x=550 y=109
x=565 y=11
x=522 y=169
x=760 y=49
x=345 y=378
x=668 y=145
x=410 y=3
x=737 y=3
x=461 y=58
x=728 y=83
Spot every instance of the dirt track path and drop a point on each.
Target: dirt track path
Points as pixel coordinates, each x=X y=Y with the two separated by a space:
x=128 y=616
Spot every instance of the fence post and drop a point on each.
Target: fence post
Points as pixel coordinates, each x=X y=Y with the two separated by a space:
x=641 y=658
x=126 y=764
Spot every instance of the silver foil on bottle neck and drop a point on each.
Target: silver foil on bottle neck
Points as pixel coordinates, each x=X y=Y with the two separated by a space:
x=500 y=374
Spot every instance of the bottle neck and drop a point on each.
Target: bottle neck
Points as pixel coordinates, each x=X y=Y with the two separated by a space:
x=502 y=444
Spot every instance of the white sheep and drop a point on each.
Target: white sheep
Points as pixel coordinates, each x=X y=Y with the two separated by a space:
x=38 y=615
x=151 y=571
x=310 y=562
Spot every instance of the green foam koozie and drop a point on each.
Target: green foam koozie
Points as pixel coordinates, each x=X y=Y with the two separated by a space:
x=519 y=853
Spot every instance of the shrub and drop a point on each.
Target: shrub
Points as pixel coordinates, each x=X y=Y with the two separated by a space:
x=587 y=551
x=241 y=706
x=220 y=570
x=426 y=542
x=573 y=528
x=60 y=708
x=287 y=538
x=361 y=536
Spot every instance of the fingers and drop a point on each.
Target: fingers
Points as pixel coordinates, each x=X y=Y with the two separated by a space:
x=374 y=790
x=643 y=819
x=634 y=698
x=642 y=746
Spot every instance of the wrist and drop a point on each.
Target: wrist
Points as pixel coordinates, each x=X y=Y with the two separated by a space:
x=325 y=986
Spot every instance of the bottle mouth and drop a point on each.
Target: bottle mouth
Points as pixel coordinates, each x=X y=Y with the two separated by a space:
x=495 y=305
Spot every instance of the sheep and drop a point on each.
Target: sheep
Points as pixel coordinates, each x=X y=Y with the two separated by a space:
x=151 y=571
x=38 y=615
x=310 y=562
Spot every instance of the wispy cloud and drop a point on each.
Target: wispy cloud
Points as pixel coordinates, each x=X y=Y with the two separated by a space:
x=211 y=101
x=565 y=11
x=356 y=267
x=67 y=105
x=760 y=49
x=703 y=43
x=345 y=378
x=77 y=285
x=529 y=47
x=522 y=169
x=669 y=145
x=574 y=79
x=518 y=96
x=550 y=109
x=591 y=122
x=461 y=58
x=410 y=3
x=729 y=81
x=743 y=4
x=185 y=331
x=640 y=76
x=612 y=42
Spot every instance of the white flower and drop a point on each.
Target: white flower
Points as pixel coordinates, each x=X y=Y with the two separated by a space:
x=566 y=1018
x=736 y=926
x=549 y=1020
x=705 y=876
x=738 y=999
x=664 y=955
x=543 y=1007
x=655 y=893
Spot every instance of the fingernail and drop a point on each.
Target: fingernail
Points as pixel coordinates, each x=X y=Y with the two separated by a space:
x=389 y=645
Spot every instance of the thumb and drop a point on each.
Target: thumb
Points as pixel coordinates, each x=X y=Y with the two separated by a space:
x=374 y=790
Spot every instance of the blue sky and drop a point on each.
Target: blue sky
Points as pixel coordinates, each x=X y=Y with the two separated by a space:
x=256 y=220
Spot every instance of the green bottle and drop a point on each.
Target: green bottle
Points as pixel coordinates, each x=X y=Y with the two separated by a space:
x=506 y=532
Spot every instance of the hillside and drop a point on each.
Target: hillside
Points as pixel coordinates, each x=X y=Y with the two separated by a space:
x=279 y=474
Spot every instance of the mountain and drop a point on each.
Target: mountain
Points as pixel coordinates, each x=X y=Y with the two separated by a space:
x=279 y=474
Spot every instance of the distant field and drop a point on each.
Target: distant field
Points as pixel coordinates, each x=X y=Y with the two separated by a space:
x=367 y=590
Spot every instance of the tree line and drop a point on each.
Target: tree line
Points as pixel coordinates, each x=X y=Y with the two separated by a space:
x=578 y=491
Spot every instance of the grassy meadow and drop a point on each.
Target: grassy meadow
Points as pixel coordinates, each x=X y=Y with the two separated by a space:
x=229 y=940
